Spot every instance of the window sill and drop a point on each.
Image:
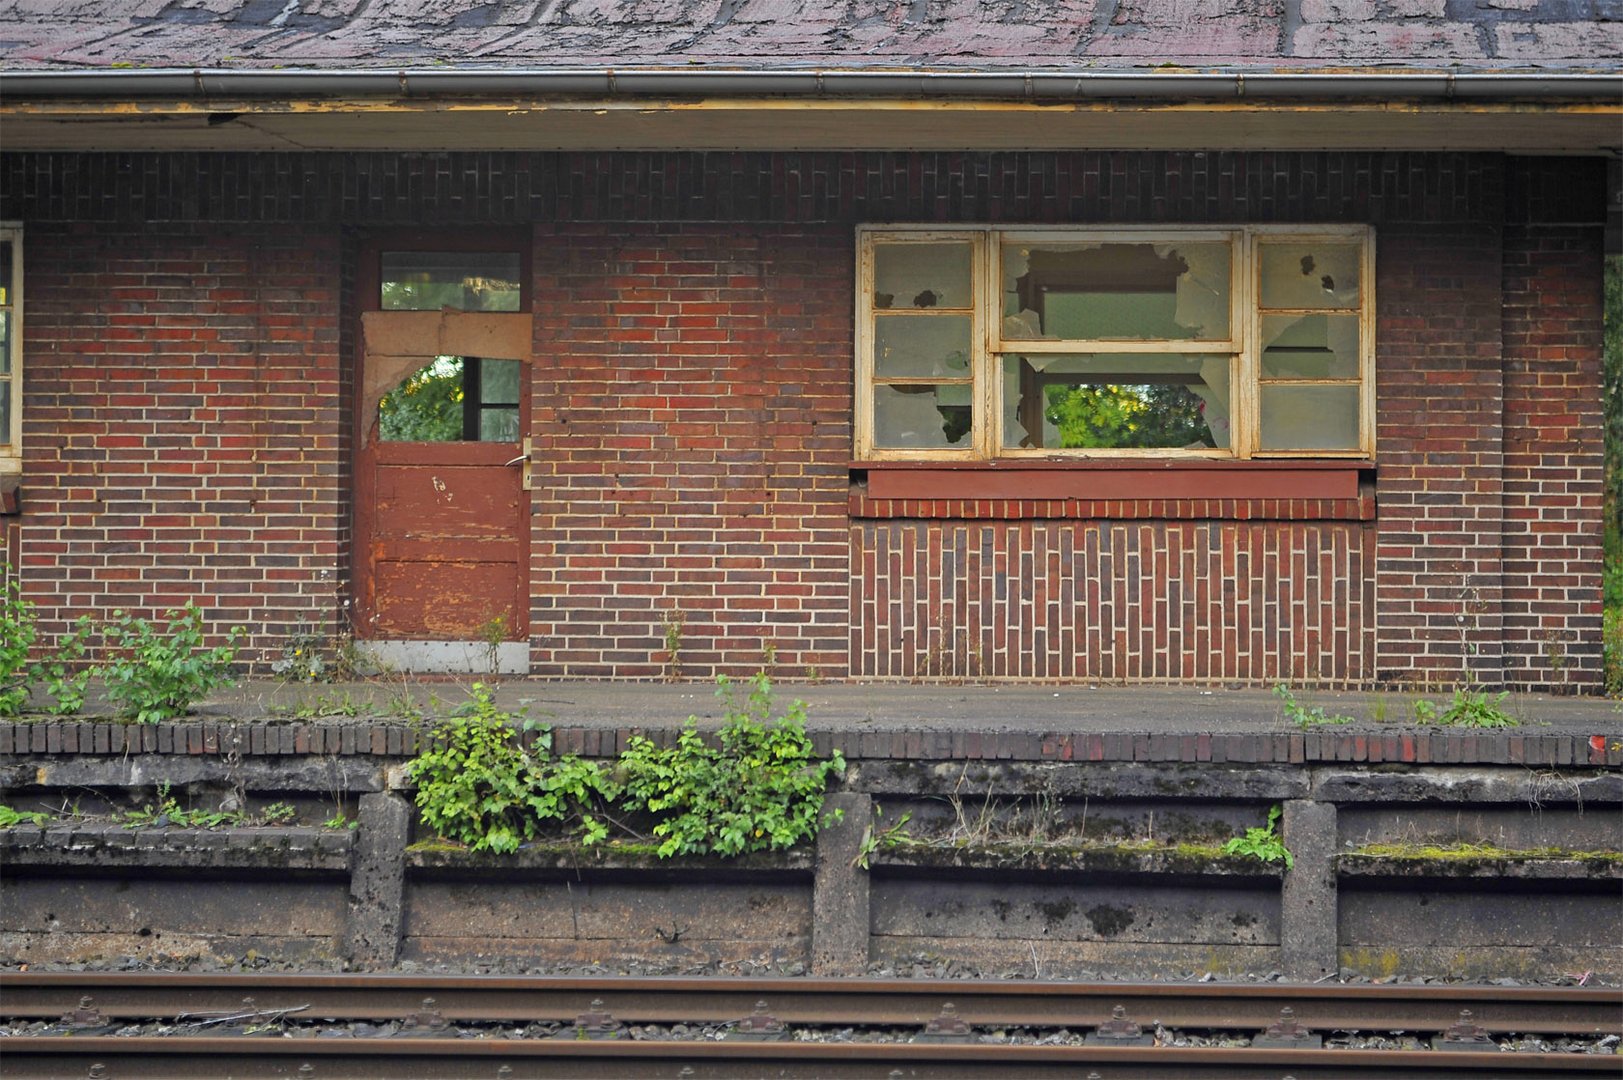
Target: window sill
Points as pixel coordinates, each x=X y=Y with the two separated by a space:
x=1277 y=489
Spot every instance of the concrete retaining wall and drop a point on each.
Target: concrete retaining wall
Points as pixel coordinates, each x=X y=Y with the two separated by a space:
x=1035 y=855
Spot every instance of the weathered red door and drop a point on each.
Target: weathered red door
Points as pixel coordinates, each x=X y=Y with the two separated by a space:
x=441 y=514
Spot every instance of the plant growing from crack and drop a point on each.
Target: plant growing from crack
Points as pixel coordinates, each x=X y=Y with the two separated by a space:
x=1262 y=843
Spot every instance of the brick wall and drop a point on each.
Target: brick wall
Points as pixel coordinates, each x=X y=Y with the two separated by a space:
x=186 y=435
x=1553 y=425
x=1440 y=447
x=181 y=438
x=692 y=409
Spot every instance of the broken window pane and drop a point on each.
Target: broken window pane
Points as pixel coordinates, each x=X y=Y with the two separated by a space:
x=1310 y=346
x=460 y=280
x=1115 y=401
x=1309 y=417
x=1309 y=275
x=921 y=346
x=922 y=416
x=921 y=276
x=438 y=402
x=1121 y=291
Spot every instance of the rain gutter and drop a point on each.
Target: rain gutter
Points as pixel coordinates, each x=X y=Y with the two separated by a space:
x=1036 y=86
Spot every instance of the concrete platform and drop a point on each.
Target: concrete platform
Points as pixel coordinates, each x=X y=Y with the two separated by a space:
x=891 y=706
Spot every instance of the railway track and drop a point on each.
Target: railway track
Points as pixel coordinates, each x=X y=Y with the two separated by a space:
x=517 y=1027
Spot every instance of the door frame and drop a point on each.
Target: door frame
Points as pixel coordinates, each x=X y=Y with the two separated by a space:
x=427 y=655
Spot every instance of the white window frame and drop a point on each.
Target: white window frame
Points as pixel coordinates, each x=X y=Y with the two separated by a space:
x=1243 y=345
x=11 y=441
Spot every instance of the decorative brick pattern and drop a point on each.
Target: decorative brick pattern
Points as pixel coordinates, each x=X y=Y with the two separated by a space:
x=1111 y=602
x=1360 y=509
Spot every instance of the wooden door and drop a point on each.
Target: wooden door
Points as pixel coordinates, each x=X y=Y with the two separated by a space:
x=442 y=514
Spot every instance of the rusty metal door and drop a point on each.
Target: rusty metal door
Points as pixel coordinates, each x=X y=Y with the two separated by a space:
x=442 y=514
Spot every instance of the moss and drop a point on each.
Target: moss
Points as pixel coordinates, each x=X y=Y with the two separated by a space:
x=1480 y=853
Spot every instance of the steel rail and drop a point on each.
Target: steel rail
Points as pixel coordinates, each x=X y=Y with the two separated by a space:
x=1248 y=1007
x=32 y=1057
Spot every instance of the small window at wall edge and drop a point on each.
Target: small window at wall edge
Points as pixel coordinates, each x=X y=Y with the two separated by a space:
x=11 y=349
x=1068 y=344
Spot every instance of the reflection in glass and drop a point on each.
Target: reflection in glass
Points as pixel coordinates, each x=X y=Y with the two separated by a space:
x=454 y=399
x=1310 y=346
x=460 y=280
x=1309 y=275
x=5 y=413
x=5 y=273
x=1120 y=291
x=921 y=276
x=1115 y=401
x=918 y=416
x=921 y=346
x=1309 y=417
x=5 y=342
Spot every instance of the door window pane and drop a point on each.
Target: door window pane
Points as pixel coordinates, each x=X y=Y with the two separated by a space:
x=1309 y=417
x=1303 y=275
x=1115 y=401
x=921 y=346
x=921 y=276
x=922 y=416
x=435 y=403
x=1310 y=346
x=1116 y=291
x=460 y=280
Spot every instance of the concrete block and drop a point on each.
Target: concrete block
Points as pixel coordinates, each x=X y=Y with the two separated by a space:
x=840 y=913
x=377 y=880
x=1307 y=913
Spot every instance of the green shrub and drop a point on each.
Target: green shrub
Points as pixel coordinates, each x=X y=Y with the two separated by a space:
x=155 y=676
x=757 y=788
x=17 y=633
x=477 y=784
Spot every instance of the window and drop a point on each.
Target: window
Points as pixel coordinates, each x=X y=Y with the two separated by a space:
x=1064 y=343
x=460 y=280
x=454 y=399
x=11 y=349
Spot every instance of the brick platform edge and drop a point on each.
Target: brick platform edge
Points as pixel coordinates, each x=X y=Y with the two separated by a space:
x=1598 y=750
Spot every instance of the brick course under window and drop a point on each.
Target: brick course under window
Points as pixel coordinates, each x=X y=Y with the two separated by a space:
x=190 y=349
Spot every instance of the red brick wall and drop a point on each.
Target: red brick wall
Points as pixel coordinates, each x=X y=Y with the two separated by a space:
x=1440 y=447
x=1553 y=427
x=692 y=404
x=181 y=410
x=186 y=429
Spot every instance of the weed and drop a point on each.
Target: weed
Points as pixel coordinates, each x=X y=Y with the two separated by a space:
x=1262 y=843
x=769 y=657
x=325 y=705
x=1475 y=709
x=17 y=634
x=66 y=673
x=675 y=621
x=874 y=838
x=301 y=658
x=1305 y=717
x=278 y=813
x=157 y=676
x=478 y=785
x=758 y=788
x=492 y=632
x=340 y=820
x=10 y=817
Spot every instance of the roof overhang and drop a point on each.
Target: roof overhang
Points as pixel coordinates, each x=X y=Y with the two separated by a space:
x=547 y=109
